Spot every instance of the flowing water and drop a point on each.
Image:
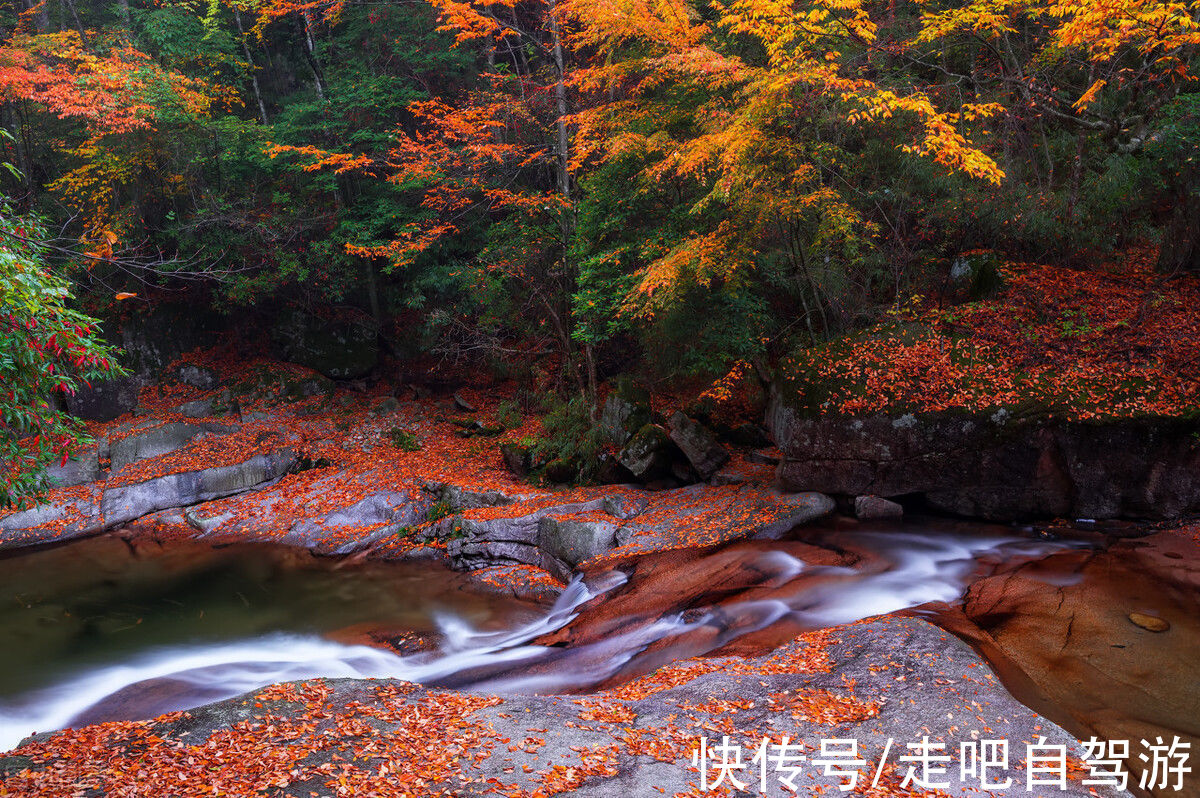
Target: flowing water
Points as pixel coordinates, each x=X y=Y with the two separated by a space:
x=105 y=629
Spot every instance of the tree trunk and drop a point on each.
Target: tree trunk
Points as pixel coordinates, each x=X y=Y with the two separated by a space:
x=262 y=108
x=560 y=97
x=310 y=54
x=83 y=37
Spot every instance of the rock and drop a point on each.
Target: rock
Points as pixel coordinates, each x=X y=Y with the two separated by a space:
x=626 y=410
x=484 y=542
x=311 y=386
x=156 y=339
x=125 y=503
x=517 y=459
x=276 y=385
x=611 y=472
x=561 y=472
x=976 y=275
x=465 y=498
x=996 y=467
x=200 y=408
x=868 y=508
x=83 y=467
x=338 y=512
x=385 y=406
x=694 y=516
x=385 y=512
x=909 y=682
x=462 y=405
x=682 y=472
x=647 y=455
x=105 y=400
x=85 y=510
x=338 y=348
x=697 y=444
x=626 y=504
x=762 y=458
x=197 y=376
x=1063 y=625
x=12 y=765
x=749 y=435
x=204 y=524
x=1149 y=622
x=472 y=427
x=571 y=541
x=729 y=476
x=158 y=441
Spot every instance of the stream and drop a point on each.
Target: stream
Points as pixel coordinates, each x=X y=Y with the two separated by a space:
x=111 y=629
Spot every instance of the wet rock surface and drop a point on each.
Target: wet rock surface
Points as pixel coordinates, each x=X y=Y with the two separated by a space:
x=1065 y=625
x=314 y=469
x=901 y=680
x=997 y=467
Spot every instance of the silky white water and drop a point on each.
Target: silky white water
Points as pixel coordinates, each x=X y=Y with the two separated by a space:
x=907 y=568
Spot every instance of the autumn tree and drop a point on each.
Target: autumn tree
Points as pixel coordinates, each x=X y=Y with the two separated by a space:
x=1101 y=73
x=491 y=162
x=126 y=105
x=672 y=183
x=747 y=114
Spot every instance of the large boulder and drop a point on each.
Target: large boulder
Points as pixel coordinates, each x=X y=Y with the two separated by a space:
x=626 y=410
x=338 y=348
x=571 y=541
x=155 y=339
x=510 y=538
x=648 y=453
x=697 y=444
x=874 y=508
x=996 y=466
x=517 y=458
x=152 y=341
x=197 y=376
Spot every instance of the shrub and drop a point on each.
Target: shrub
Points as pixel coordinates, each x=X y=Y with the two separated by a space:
x=46 y=349
x=439 y=510
x=508 y=415
x=403 y=439
x=571 y=440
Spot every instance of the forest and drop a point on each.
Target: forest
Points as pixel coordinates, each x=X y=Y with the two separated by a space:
x=635 y=350
x=662 y=186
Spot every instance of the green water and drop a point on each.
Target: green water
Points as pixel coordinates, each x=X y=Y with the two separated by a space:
x=100 y=601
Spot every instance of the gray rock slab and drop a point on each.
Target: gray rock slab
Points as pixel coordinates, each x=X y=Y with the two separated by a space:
x=924 y=686
x=126 y=502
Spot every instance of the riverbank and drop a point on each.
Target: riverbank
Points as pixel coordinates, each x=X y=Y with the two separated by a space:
x=893 y=679
x=362 y=475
